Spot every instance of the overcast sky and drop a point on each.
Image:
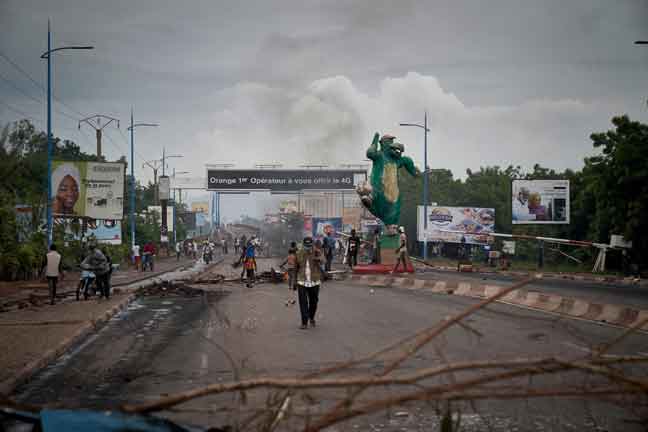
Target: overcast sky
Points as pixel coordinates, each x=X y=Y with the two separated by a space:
x=503 y=81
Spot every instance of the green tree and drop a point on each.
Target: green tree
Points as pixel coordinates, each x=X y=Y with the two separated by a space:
x=616 y=185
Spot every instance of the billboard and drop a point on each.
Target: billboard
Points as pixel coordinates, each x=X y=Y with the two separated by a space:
x=288 y=206
x=474 y=224
x=200 y=207
x=158 y=212
x=188 y=219
x=108 y=231
x=283 y=180
x=164 y=191
x=322 y=226
x=105 y=230
x=540 y=201
x=90 y=189
x=24 y=217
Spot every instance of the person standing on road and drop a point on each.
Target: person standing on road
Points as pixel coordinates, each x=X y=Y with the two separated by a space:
x=108 y=285
x=290 y=263
x=375 y=259
x=329 y=250
x=97 y=263
x=178 y=249
x=250 y=265
x=309 y=277
x=53 y=268
x=237 y=245
x=401 y=252
x=137 y=259
x=353 y=245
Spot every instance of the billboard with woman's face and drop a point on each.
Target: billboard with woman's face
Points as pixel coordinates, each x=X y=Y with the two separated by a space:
x=90 y=189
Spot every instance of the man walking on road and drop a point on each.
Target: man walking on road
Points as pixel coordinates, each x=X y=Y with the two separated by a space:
x=309 y=277
x=52 y=271
x=401 y=252
x=353 y=245
x=329 y=248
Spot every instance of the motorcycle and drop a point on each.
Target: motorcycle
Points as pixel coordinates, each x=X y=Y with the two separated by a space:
x=87 y=282
x=207 y=255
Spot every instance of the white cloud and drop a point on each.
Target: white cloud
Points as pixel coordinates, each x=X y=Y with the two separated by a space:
x=332 y=121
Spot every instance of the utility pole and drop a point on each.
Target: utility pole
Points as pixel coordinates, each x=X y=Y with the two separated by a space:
x=95 y=122
x=425 y=180
x=131 y=128
x=155 y=166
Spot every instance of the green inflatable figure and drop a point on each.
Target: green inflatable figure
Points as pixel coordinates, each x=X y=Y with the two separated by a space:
x=381 y=195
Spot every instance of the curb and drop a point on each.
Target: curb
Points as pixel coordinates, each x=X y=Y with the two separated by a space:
x=29 y=370
x=606 y=313
x=564 y=276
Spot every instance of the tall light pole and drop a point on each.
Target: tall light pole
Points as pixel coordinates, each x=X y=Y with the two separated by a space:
x=175 y=219
x=425 y=181
x=47 y=55
x=131 y=128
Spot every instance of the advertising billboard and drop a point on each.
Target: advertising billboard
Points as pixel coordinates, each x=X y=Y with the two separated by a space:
x=322 y=226
x=283 y=180
x=164 y=188
x=540 y=201
x=188 y=219
x=158 y=212
x=107 y=231
x=288 y=206
x=90 y=189
x=473 y=223
x=200 y=206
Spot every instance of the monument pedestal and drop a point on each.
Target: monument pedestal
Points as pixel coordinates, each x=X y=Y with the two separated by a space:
x=388 y=245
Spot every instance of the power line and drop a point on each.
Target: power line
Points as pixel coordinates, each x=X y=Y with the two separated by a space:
x=39 y=85
x=18 y=89
x=17 y=111
x=21 y=70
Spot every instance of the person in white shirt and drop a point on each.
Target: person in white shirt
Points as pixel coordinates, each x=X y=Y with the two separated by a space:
x=401 y=252
x=52 y=271
x=137 y=259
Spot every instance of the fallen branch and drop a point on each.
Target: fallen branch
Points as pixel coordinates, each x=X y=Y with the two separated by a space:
x=371 y=380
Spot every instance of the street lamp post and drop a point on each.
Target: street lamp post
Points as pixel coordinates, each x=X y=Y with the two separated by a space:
x=425 y=181
x=131 y=128
x=47 y=55
x=175 y=219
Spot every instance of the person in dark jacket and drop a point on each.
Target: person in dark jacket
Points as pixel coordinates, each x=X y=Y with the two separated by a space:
x=97 y=263
x=309 y=278
x=353 y=245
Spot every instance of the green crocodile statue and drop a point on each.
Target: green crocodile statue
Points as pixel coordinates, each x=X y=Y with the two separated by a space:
x=381 y=195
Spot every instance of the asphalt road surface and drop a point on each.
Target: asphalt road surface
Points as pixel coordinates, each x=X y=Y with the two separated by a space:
x=164 y=344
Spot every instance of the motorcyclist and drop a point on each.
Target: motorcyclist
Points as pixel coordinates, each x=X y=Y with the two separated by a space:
x=97 y=262
x=149 y=252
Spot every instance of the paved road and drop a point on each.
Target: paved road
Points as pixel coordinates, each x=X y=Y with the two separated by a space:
x=623 y=294
x=165 y=344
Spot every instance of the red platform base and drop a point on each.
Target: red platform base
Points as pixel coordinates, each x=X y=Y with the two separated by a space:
x=379 y=269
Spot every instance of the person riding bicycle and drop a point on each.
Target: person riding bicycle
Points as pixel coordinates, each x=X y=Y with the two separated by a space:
x=148 y=254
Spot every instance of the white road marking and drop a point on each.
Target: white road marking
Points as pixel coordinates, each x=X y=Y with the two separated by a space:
x=204 y=362
x=578 y=347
